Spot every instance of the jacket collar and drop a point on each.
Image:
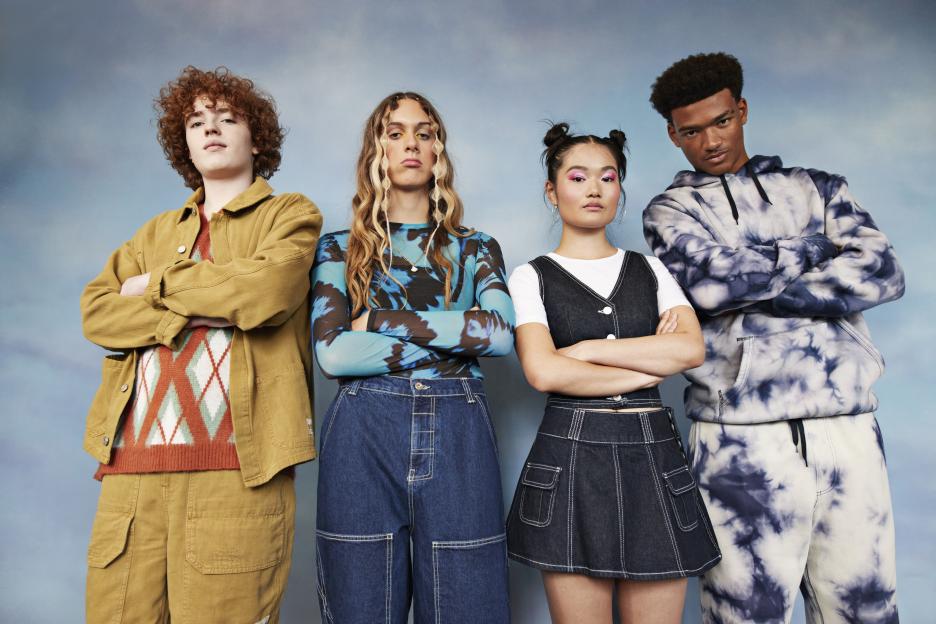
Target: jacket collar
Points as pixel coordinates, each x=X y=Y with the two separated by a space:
x=259 y=190
x=758 y=164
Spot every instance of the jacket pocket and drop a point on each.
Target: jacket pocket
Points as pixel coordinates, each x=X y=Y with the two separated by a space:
x=682 y=493
x=108 y=537
x=821 y=368
x=538 y=493
x=113 y=369
x=285 y=408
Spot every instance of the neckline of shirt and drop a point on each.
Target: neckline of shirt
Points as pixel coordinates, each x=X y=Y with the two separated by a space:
x=395 y=225
x=618 y=254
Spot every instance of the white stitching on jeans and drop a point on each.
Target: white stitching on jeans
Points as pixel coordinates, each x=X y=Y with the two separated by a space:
x=455 y=545
x=389 y=590
x=656 y=480
x=620 y=502
x=680 y=572
x=587 y=441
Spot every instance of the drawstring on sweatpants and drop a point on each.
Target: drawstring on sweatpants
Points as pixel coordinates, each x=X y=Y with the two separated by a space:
x=799 y=437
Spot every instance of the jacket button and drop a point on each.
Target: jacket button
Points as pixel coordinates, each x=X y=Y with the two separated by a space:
x=124 y=387
x=420 y=385
x=610 y=336
x=181 y=249
x=106 y=440
x=605 y=310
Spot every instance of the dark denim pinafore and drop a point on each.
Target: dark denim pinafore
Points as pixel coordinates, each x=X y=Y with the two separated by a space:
x=603 y=493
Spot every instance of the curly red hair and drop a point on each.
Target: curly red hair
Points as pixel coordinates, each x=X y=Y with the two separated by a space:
x=176 y=102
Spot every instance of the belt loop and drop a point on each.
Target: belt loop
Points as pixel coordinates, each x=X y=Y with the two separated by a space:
x=468 y=393
x=645 y=426
x=575 y=427
x=354 y=386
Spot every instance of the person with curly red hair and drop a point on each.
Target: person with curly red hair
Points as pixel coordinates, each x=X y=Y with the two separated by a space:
x=204 y=406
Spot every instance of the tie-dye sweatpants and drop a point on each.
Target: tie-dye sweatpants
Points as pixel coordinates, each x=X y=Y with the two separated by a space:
x=821 y=524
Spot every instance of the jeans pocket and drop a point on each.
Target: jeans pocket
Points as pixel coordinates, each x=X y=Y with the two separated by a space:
x=469 y=580
x=682 y=492
x=354 y=576
x=330 y=417
x=538 y=493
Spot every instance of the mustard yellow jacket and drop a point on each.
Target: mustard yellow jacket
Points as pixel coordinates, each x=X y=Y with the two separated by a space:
x=263 y=247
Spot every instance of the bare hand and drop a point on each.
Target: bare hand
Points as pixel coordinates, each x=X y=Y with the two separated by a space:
x=135 y=286
x=206 y=321
x=360 y=323
x=668 y=321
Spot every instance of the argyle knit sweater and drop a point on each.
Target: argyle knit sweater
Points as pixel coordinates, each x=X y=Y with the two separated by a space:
x=179 y=417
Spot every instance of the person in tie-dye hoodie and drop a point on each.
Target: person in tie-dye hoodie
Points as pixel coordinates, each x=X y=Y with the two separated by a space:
x=779 y=262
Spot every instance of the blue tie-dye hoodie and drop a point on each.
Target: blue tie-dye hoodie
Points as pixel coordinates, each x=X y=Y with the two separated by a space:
x=779 y=263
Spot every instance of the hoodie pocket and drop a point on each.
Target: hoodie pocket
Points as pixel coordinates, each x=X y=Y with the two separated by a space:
x=821 y=368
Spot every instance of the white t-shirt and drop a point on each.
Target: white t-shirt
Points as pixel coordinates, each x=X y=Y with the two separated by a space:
x=600 y=275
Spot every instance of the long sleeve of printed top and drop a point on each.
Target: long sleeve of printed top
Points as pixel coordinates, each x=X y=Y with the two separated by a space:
x=410 y=331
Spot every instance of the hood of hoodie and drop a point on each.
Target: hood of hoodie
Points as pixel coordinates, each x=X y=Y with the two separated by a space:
x=756 y=165
x=761 y=363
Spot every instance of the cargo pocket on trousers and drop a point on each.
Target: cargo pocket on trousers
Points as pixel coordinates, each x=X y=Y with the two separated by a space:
x=354 y=576
x=232 y=534
x=538 y=493
x=682 y=493
x=470 y=578
x=108 y=537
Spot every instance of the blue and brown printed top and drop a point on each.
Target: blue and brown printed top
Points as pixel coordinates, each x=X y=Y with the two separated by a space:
x=779 y=262
x=410 y=333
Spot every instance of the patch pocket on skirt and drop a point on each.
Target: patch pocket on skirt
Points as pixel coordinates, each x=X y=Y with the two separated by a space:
x=682 y=492
x=538 y=493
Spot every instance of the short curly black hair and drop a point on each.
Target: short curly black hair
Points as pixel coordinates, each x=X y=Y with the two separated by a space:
x=695 y=78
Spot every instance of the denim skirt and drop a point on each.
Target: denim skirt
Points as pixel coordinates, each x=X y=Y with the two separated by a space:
x=610 y=495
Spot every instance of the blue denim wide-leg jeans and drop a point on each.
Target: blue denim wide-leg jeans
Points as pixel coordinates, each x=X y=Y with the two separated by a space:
x=409 y=505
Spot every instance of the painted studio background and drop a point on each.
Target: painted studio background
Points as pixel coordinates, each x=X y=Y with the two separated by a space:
x=846 y=87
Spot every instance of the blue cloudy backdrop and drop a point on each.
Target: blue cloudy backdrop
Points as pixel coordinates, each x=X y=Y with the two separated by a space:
x=845 y=86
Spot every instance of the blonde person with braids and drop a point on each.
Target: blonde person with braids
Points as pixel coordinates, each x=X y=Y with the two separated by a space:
x=403 y=304
x=606 y=506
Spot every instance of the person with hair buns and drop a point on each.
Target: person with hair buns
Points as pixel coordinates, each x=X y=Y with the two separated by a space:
x=204 y=406
x=780 y=262
x=403 y=305
x=605 y=505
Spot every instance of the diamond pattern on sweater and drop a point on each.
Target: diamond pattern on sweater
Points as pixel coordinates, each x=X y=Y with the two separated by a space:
x=179 y=417
x=170 y=426
x=209 y=369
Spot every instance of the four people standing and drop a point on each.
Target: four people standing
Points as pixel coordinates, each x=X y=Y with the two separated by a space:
x=205 y=406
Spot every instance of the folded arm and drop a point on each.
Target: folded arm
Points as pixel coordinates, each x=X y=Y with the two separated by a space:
x=718 y=277
x=663 y=354
x=865 y=273
x=117 y=322
x=486 y=330
x=548 y=370
x=340 y=351
x=263 y=289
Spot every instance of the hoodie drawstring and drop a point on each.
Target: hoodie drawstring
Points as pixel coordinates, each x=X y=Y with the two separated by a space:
x=798 y=432
x=760 y=189
x=734 y=207
x=753 y=176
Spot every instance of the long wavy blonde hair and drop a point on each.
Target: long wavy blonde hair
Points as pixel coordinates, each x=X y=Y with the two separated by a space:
x=369 y=237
